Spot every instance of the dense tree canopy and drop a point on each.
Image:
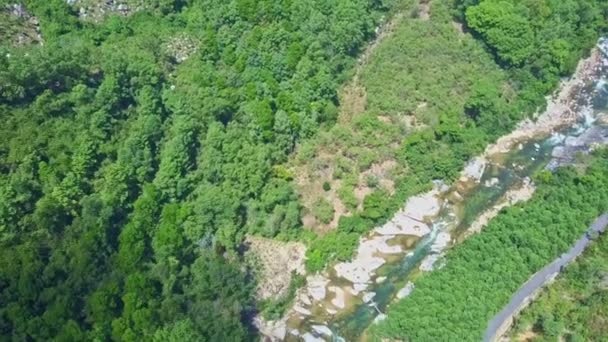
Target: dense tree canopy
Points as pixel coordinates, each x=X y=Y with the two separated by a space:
x=132 y=167
x=574 y=307
x=138 y=150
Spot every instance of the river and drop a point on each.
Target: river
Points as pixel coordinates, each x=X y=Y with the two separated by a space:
x=340 y=303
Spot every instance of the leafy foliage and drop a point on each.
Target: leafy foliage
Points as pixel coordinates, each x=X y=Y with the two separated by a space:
x=574 y=306
x=128 y=180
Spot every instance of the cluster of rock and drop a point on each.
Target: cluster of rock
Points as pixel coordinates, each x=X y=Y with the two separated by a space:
x=96 y=10
x=26 y=26
x=325 y=296
x=408 y=221
x=181 y=47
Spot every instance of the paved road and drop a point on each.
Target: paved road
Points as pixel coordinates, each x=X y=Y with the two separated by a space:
x=541 y=278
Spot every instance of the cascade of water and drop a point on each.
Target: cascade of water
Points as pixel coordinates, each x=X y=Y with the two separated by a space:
x=603 y=46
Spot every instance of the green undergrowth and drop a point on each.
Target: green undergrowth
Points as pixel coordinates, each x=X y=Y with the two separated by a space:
x=455 y=302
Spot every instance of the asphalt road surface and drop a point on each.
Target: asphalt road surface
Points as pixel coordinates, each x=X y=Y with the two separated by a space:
x=540 y=278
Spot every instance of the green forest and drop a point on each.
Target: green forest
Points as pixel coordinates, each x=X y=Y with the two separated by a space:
x=574 y=307
x=129 y=177
x=455 y=302
x=139 y=150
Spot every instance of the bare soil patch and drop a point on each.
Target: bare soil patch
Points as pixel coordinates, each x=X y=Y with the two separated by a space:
x=528 y=335
x=277 y=261
x=424 y=10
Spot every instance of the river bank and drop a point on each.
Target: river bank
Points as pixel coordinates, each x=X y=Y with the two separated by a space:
x=414 y=240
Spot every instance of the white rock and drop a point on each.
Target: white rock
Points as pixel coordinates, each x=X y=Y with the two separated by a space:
x=308 y=337
x=304 y=299
x=331 y=311
x=295 y=332
x=403 y=224
x=323 y=330
x=406 y=290
x=380 y=280
x=362 y=267
x=338 y=300
x=379 y=318
x=316 y=286
x=441 y=242
x=302 y=310
x=491 y=182
x=427 y=263
x=368 y=296
x=385 y=248
x=423 y=205
x=457 y=196
x=475 y=168
x=272 y=329
x=358 y=287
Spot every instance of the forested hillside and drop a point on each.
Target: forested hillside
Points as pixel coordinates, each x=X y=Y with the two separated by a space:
x=138 y=151
x=140 y=144
x=434 y=94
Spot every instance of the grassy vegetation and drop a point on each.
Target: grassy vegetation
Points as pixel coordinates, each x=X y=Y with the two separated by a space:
x=417 y=80
x=433 y=96
x=15 y=29
x=575 y=306
x=456 y=302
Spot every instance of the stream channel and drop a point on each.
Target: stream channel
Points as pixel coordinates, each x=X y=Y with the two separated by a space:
x=339 y=304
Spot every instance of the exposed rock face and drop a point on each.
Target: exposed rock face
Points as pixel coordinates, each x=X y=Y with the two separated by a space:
x=22 y=27
x=406 y=290
x=273 y=330
x=410 y=219
x=338 y=300
x=428 y=262
x=322 y=330
x=562 y=108
x=584 y=143
x=277 y=261
x=475 y=168
x=97 y=10
x=181 y=47
x=316 y=286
